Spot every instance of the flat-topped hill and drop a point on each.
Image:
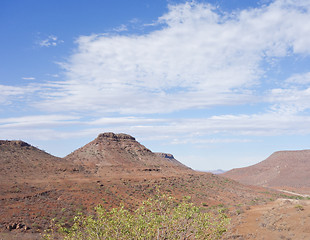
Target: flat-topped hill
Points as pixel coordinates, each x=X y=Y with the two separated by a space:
x=283 y=168
x=122 y=151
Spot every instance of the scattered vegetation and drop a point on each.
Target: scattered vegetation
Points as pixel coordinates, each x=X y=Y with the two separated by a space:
x=293 y=197
x=299 y=207
x=160 y=217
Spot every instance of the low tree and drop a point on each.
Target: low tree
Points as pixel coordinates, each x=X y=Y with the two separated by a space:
x=157 y=218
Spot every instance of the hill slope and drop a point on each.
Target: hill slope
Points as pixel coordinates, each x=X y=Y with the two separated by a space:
x=283 y=168
x=121 y=151
x=20 y=160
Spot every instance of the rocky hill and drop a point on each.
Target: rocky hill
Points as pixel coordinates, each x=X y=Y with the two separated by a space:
x=20 y=160
x=283 y=168
x=111 y=151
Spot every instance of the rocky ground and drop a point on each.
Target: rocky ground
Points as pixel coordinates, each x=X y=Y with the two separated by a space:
x=280 y=219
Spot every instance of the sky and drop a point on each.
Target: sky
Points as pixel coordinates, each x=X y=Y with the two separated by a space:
x=220 y=84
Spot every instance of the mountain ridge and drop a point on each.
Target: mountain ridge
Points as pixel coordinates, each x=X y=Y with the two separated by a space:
x=18 y=158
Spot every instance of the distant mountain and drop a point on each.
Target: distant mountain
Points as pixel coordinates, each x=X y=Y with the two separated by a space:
x=217 y=171
x=283 y=168
x=110 y=150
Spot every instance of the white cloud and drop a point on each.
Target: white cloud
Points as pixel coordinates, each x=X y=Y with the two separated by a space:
x=215 y=129
x=53 y=75
x=199 y=58
x=28 y=78
x=209 y=141
x=271 y=124
x=121 y=28
x=50 y=41
x=125 y=120
x=37 y=121
x=198 y=131
x=303 y=78
x=42 y=127
x=294 y=95
x=10 y=94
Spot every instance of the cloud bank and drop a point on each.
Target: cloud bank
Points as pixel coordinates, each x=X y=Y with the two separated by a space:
x=198 y=57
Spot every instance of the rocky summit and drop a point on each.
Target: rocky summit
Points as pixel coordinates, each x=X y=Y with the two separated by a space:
x=116 y=137
x=121 y=151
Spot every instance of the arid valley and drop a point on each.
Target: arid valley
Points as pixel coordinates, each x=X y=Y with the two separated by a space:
x=36 y=187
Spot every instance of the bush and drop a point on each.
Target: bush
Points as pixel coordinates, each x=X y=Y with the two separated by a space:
x=157 y=218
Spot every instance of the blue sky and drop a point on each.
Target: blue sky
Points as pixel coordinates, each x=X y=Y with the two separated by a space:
x=219 y=84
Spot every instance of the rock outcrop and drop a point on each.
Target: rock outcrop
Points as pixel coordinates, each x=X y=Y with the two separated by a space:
x=169 y=157
x=16 y=143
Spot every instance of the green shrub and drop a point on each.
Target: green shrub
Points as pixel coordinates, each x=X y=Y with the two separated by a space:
x=157 y=218
x=299 y=207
